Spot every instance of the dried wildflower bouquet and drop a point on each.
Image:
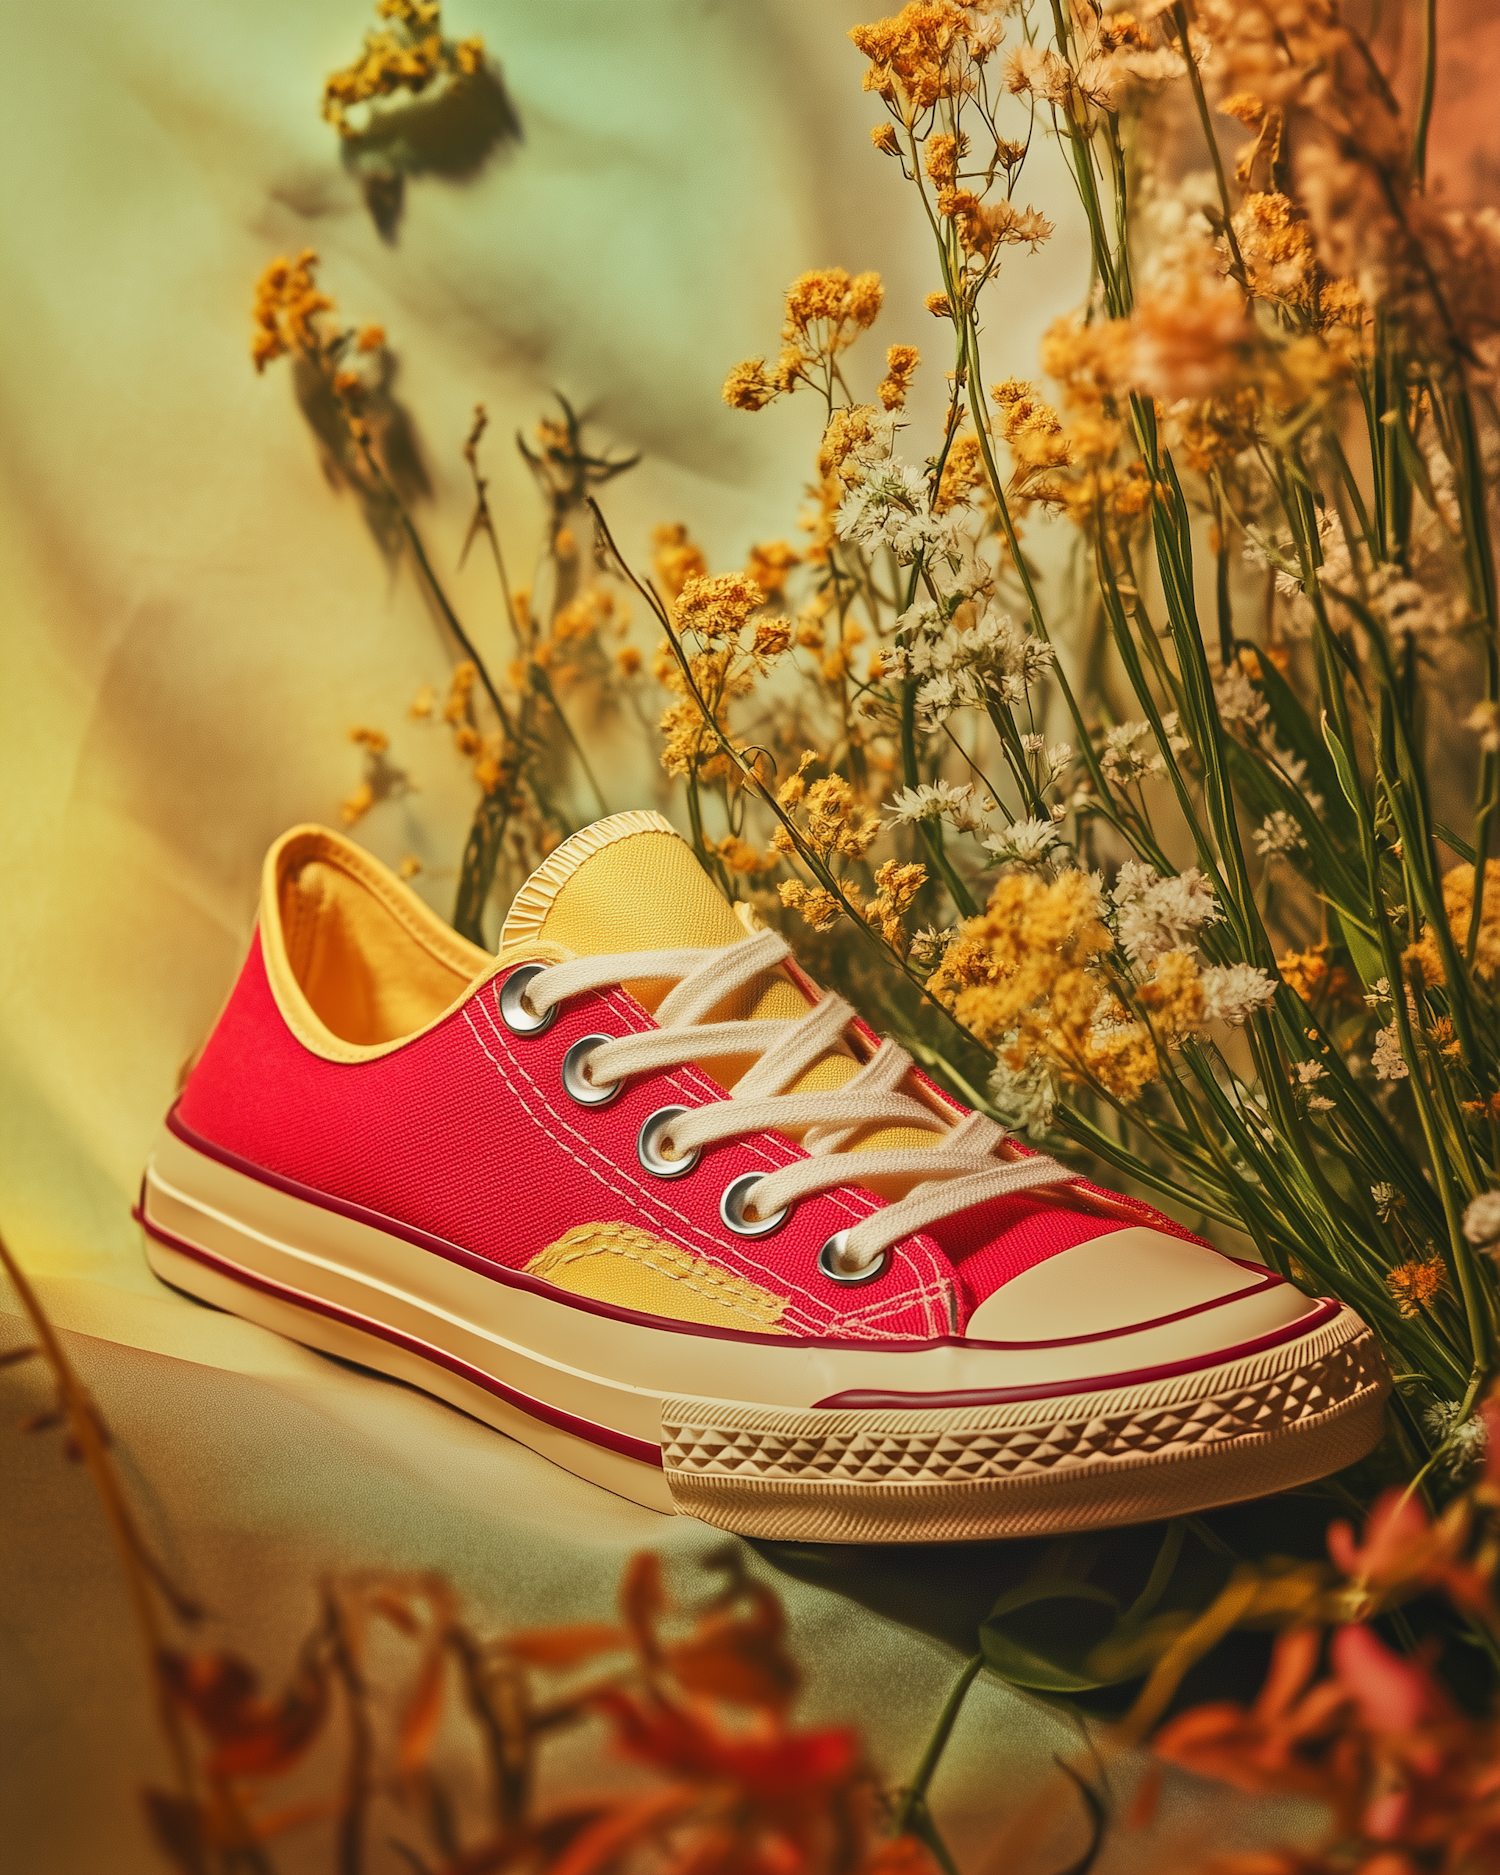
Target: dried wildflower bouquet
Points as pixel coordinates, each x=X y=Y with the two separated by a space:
x=1186 y=839
x=1163 y=833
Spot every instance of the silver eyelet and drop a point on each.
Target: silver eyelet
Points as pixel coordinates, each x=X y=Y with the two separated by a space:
x=732 y=1208
x=828 y=1262
x=515 y=1012
x=648 y=1145
x=575 y=1076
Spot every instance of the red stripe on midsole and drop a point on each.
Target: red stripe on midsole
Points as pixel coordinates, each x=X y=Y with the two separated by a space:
x=858 y=1400
x=554 y=1416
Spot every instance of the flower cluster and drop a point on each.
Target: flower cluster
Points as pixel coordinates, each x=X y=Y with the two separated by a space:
x=409 y=55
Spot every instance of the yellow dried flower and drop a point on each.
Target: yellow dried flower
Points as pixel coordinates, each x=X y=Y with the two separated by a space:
x=814 y=905
x=962 y=473
x=376 y=741
x=748 y=387
x=794 y=787
x=1306 y=972
x=772 y=637
x=407 y=56
x=288 y=308
x=490 y=772
x=900 y=883
x=883 y=136
x=940 y=158
x=629 y=660
x=460 y=685
x=1414 y=1285
x=356 y=805
x=1023 y=977
x=1245 y=107
x=769 y=564
x=740 y=857
x=901 y=362
x=914 y=55
x=1458 y=903
x=826 y=310
x=1174 y=994
x=849 y=430
x=408 y=866
x=939 y=305
x=718 y=606
x=676 y=559
x=984 y=226
x=1277 y=247
x=423 y=703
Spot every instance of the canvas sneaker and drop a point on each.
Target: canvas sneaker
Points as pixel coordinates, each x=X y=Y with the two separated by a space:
x=635 y=1192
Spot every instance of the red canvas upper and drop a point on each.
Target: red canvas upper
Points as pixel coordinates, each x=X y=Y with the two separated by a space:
x=464 y=1134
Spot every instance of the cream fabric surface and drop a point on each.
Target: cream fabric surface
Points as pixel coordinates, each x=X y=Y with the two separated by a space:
x=192 y=621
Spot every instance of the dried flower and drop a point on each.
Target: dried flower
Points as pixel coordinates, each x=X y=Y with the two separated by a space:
x=901 y=362
x=409 y=55
x=1155 y=915
x=1388 y=1060
x=1482 y=1221
x=1413 y=1286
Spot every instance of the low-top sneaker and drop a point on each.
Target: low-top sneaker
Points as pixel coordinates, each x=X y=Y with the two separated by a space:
x=637 y=1193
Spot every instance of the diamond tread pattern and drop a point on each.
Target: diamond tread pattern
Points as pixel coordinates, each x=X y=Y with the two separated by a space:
x=877 y=1448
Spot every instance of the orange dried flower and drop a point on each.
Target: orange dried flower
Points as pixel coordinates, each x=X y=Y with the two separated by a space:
x=288 y=308
x=901 y=362
x=1414 y=1285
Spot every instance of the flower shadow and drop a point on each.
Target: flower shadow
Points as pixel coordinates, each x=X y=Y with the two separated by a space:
x=449 y=133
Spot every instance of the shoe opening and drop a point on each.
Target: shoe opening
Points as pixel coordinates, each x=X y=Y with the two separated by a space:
x=373 y=963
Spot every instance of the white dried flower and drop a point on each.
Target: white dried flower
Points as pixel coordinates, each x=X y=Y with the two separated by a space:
x=1157 y=915
x=1178 y=743
x=1024 y=840
x=1484 y=720
x=928 y=946
x=1386 y=1199
x=889 y=509
x=1309 y=1072
x=993 y=659
x=936 y=800
x=1466 y=1439
x=1238 y=699
x=1122 y=761
x=1023 y=1097
x=1233 y=992
x=1482 y=1221
x=1278 y=834
x=1388 y=1061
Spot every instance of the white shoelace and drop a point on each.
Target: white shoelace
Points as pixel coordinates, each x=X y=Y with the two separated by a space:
x=957 y=1171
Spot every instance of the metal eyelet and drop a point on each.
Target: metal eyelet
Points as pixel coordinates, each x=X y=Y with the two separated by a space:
x=648 y=1145
x=575 y=1076
x=732 y=1208
x=517 y=1015
x=828 y=1262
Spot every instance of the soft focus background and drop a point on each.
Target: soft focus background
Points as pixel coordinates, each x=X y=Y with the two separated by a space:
x=192 y=621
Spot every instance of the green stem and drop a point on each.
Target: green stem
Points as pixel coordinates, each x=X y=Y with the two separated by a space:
x=1195 y=79
x=914 y=1796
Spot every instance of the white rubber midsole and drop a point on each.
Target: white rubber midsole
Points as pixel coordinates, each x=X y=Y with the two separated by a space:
x=586 y=1387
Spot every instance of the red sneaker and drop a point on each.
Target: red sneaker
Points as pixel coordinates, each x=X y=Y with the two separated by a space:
x=828 y=1303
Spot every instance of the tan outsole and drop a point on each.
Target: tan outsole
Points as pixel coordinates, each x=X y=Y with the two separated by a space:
x=1036 y=1467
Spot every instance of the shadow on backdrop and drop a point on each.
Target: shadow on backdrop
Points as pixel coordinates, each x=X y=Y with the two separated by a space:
x=450 y=133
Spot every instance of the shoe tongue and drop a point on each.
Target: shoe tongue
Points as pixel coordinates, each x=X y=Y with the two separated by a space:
x=629 y=883
x=632 y=883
